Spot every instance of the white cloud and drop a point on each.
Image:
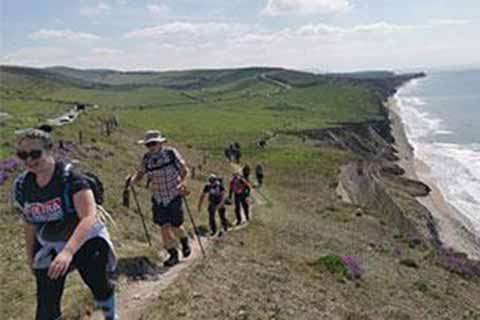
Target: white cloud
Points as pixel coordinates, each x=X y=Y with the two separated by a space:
x=256 y=38
x=38 y=56
x=158 y=9
x=51 y=34
x=280 y=7
x=100 y=9
x=184 y=29
x=106 y=52
x=357 y=32
x=459 y=22
x=190 y=44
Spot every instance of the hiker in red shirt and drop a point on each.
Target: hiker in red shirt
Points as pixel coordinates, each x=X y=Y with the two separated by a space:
x=241 y=188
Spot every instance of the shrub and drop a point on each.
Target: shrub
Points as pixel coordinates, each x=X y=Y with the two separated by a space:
x=342 y=266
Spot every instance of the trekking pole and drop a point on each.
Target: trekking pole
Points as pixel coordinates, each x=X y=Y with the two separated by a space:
x=194 y=226
x=141 y=215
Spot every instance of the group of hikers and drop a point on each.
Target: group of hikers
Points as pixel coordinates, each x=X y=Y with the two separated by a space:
x=63 y=229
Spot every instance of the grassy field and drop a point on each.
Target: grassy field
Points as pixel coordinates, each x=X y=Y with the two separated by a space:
x=268 y=270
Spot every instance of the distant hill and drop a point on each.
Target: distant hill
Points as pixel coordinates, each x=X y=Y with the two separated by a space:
x=169 y=79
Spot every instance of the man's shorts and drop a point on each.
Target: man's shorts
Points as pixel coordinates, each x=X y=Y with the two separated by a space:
x=171 y=214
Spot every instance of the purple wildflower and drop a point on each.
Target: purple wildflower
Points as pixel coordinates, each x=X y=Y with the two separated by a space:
x=458 y=263
x=354 y=266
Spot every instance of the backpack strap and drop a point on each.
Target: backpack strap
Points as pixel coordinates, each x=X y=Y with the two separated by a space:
x=173 y=159
x=67 y=199
x=19 y=189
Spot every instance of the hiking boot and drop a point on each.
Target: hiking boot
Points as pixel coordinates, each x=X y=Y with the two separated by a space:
x=239 y=222
x=186 y=248
x=173 y=259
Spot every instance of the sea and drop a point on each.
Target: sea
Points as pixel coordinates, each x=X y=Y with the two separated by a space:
x=441 y=116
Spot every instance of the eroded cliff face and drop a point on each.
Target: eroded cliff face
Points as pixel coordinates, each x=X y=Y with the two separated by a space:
x=376 y=181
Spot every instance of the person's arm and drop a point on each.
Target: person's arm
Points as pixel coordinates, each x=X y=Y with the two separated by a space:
x=222 y=201
x=29 y=234
x=136 y=177
x=85 y=207
x=230 y=190
x=183 y=170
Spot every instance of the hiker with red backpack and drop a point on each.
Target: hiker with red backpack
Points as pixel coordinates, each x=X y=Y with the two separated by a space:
x=167 y=171
x=62 y=227
x=216 y=196
x=240 y=187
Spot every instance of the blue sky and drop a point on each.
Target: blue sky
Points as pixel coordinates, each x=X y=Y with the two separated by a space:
x=327 y=35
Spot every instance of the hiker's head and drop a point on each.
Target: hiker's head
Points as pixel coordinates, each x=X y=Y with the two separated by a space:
x=153 y=140
x=212 y=178
x=34 y=148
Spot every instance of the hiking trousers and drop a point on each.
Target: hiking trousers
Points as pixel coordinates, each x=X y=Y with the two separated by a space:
x=212 y=209
x=260 y=179
x=241 y=202
x=91 y=262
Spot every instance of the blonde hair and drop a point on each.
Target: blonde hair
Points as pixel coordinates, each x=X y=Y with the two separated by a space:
x=37 y=134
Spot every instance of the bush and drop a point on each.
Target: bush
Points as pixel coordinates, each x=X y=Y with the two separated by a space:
x=343 y=267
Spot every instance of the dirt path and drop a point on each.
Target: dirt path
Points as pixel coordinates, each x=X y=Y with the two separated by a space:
x=134 y=296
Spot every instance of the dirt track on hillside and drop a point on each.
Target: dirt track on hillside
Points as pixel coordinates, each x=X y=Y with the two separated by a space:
x=134 y=296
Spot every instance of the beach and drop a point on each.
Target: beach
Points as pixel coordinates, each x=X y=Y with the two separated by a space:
x=448 y=221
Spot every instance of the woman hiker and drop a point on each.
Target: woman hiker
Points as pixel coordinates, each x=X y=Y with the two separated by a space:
x=62 y=230
x=216 y=195
x=167 y=172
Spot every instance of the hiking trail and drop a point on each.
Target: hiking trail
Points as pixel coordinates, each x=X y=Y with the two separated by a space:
x=134 y=296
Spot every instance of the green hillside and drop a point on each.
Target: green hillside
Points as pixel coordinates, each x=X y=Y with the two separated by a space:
x=283 y=264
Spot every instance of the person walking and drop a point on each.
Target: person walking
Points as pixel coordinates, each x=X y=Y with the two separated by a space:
x=216 y=196
x=167 y=172
x=259 y=174
x=246 y=172
x=240 y=187
x=62 y=229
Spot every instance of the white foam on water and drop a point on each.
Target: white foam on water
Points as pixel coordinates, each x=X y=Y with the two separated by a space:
x=419 y=124
x=454 y=167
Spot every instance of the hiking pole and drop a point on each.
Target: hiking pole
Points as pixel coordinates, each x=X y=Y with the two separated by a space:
x=194 y=226
x=141 y=215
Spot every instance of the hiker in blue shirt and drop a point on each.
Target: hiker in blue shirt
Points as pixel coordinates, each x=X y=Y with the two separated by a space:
x=62 y=229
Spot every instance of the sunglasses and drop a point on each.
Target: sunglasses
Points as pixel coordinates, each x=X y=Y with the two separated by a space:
x=32 y=155
x=151 y=144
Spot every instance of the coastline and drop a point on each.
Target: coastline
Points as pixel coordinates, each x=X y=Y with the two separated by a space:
x=451 y=229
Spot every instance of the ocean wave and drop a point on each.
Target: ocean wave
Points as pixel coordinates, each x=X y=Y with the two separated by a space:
x=456 y=170
x=419 y=124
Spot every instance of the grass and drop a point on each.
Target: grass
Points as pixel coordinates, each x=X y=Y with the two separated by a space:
x=263 y=271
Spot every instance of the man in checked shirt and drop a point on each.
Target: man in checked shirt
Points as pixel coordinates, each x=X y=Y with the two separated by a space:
x=166 y=171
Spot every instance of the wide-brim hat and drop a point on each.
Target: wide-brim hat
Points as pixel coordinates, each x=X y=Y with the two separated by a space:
x=152 y=136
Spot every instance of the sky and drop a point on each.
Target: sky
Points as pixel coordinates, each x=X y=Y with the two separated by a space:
x=316 y=35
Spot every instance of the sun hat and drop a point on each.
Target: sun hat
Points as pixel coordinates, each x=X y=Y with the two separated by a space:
x=152 y=136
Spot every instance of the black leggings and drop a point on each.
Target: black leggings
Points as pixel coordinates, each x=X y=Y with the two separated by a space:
x=91 y=262
x=241 y=201
x=212 y=208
